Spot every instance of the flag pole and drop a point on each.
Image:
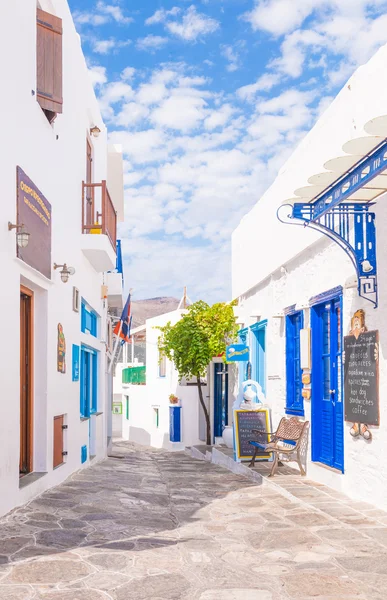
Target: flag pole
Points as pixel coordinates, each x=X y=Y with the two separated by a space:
x=115 y=349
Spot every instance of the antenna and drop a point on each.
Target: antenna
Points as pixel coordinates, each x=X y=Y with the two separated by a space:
x=183 y=304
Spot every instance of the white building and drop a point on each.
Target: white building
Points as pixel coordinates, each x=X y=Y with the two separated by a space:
x=146 y=409
x=55 y=392
x=290 y=279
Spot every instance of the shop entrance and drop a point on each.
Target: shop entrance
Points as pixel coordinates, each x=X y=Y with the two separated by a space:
x=220 y=398
x=26 y=370
x=327 y=396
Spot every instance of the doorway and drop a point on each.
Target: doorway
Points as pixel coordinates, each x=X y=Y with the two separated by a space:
x=327 y=395
x=26 y=381
x=220 y=398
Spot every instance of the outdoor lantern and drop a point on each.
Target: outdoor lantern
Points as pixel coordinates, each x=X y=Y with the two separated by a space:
x=65 y=272
x=22 y=236
x=95 y=131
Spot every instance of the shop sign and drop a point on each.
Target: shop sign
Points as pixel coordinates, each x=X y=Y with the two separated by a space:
x=244 y=423
x=361 y=377
x=34 y=212
x=238 y=353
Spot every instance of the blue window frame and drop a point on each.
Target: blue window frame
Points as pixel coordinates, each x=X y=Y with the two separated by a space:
x=294 y=399
x=243 y=335
x=89 y=320
x=88 y=382
x=258 y=353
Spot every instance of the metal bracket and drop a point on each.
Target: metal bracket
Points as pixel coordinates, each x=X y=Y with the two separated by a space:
x=352 y=227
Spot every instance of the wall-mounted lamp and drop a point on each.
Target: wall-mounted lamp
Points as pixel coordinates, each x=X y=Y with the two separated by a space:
x=65 y=272
x=95 y=131
x=22 y=236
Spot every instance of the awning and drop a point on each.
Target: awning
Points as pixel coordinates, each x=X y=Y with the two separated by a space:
x=338 y=199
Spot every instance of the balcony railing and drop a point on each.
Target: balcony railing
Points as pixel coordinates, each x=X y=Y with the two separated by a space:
x=98 y=213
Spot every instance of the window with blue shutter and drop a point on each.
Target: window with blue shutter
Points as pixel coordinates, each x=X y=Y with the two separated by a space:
x=89 y=320
x=294 y=399
x=258 y=353
x=88 y=382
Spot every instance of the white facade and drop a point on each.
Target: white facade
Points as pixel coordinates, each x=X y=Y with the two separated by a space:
x=54 y=158
x=276 y=266
x=145 y=401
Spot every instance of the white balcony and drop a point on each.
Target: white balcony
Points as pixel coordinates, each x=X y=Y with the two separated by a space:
x=114 y=285
x=99 y=251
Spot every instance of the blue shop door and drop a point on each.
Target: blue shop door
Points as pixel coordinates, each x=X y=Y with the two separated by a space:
x=294 y=399
x=327 y=397
x=220 y=398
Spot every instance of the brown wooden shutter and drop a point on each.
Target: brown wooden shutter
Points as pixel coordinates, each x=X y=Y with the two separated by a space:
x=58 y=441
x=49 y=62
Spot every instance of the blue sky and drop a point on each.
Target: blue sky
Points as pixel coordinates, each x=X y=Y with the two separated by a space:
x=208 y=99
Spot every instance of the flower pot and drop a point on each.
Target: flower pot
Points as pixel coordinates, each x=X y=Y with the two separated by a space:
x=228 y=436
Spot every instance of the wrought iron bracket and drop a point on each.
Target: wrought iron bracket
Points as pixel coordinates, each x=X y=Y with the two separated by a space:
x=352 y=227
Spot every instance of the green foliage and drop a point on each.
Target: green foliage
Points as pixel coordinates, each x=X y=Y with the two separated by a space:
x=203 y=332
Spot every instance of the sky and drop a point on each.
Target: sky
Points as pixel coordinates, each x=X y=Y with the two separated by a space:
x=208 y=99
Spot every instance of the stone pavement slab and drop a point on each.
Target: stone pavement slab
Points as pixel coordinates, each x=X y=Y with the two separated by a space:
x=157 y=526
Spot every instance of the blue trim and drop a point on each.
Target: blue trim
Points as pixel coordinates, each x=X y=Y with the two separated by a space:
x=352 y=227
x=258 y=353
x=331 y=294
x=290 y=310
x=83 y=454
x=341 y=189
x=89 y=319
x=88 y=381
x=175 y=423
x=294 y=399
x=119 y=265
x=75 y=358
x=220 y=399
x=327 y=407
x=242 y=334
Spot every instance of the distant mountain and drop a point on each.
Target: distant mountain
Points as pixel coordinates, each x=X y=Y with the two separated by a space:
x=152 y=307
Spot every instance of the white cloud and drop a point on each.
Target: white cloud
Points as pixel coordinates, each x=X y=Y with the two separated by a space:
x=232 y=55
x=130 y=114
x=180 y=112
x=263 y=84
x=160 y=16
x=280 y=16
x=102 y=14
x=128 y=73
x=106 y=46
x=115 y=12
x=98 y=75
x=151 y=43
x=193 y=25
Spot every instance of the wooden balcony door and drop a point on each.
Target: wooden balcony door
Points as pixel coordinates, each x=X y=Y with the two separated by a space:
x=89 y=179
x=26 y=381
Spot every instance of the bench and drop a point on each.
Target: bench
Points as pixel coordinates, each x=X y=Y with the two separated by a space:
x=288 y=443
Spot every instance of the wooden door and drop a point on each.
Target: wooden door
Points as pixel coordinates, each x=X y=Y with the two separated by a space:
x=58 y=440
x=89 y=179
x=26 y=381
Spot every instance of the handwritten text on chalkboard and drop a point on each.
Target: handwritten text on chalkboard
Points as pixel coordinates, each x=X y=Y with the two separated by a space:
x=361 y=378
x=245 y=421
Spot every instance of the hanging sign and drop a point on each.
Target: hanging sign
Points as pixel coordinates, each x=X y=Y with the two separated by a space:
x=34 y=212
x=244 y=423
x=238 y=353
x=61 y=350
x=361 y=378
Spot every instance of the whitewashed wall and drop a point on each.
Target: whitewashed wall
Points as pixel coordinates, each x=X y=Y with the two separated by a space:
x=54 y=157
x=143 y=399
x=312 y=265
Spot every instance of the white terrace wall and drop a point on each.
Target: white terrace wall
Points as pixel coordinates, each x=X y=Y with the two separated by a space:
x=144 y=399
x=54 y=157
x=311 y=265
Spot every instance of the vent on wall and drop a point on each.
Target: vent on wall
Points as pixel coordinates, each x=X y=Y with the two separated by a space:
x=83 y=454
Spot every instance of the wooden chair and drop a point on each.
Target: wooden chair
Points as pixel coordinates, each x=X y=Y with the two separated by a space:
x=288 y=443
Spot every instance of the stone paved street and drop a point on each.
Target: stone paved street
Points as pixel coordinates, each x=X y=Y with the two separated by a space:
x=152 y=525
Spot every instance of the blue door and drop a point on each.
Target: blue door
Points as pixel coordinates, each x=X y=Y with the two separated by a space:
x=220 y=398
x=327 y=397
x=294 y=399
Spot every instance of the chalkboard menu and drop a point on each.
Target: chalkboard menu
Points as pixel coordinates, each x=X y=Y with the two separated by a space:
x=361 y=378
x=244 y=422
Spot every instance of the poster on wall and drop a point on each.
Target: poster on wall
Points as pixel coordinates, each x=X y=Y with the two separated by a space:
x=244 y=423
x=361 y=377
x=117 y=408
x=34 y=212
x=61 y=361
